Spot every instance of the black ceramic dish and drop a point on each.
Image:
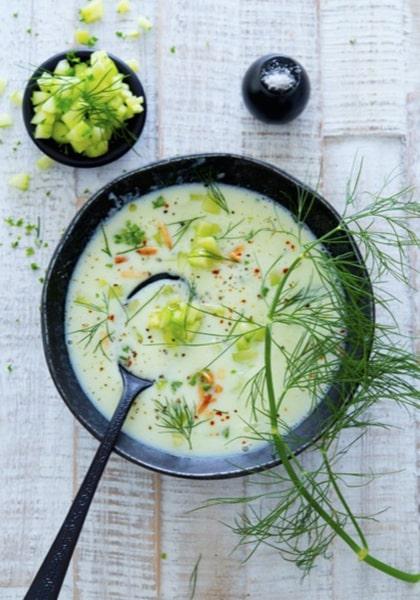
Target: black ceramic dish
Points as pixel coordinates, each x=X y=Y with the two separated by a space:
x=64 y=154
x=227 y=168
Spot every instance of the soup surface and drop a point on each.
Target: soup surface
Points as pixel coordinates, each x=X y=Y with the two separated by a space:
x=200 y=337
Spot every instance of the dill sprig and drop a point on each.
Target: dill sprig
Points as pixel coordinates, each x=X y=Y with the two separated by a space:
x=177 y=417
x=216 y=195
x=340 y=352
x=182 y=228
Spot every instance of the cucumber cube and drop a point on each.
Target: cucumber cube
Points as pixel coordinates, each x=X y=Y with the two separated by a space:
x=93 y=11
x=5 y=120
x=43 y=131
x=20 y=181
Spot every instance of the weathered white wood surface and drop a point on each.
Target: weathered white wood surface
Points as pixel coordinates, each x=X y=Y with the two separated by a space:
x=139 y=542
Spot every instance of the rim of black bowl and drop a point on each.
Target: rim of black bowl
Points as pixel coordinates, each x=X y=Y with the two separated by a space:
x=117 y=146
x=227 y=168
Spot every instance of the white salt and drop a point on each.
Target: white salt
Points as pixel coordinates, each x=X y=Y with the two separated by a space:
x=278 y=79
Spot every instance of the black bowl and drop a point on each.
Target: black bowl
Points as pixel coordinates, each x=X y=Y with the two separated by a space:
x=227 y=168
x=64 y=153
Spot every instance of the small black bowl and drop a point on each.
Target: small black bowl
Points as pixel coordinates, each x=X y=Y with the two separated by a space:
x=253 y=175
x=64 y=153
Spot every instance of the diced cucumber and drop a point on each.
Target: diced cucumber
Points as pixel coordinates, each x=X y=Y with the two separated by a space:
x=144 y=23
x=43 y=131
x=80 y=70
x=275 y=277
x=123 y=6
x=39 y=97
x=244 y=356
x=177 y=322
x=93 y=11
x=59 y=133
x=98 y=149
x=16 y=98
x=205 y=228
x=20 y=181
x=5 y=120
x=133 y=63
x=210 y=206
x=44 y=163
x=49 y=105
x=63 y=68
x=209 y=243
x=85 y=38
x=39 y=117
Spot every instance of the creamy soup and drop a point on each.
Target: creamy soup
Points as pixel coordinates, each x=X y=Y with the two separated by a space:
x=200 y=337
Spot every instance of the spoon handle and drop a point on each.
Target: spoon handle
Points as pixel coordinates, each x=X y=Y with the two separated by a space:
x=49 y=579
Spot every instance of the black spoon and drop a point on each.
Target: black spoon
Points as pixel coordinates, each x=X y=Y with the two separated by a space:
x=49 y=579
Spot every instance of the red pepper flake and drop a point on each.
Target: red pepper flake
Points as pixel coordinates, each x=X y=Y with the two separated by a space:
x=111 y=317
x=285 y=270
x=147 y=250
x=211 y=422
x=206 y=400
x=227 y=417
x=287 y=242
x=120 y=259
x=216 y=271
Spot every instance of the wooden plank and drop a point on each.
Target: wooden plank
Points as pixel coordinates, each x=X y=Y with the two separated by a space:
x=118 y=554
x=289 y=28
x=199 y=80
x=395 y=537
x=199 y=102
x=36 y=440
x=362 y=75
x=413 y=165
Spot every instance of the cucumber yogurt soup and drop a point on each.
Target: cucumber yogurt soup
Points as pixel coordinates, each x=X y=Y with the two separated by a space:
x=200 y=337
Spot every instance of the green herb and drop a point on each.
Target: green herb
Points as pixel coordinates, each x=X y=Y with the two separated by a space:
x=177 y=417
x=131 y=235
x=193 y=579
x=159 y=202
x=106 y=247
x=175 y=385
x=91 y=41
x=120 y=34
x=163 y=555
x=183 y=227
x=217 y=195
x=172 y=49
x=34 y=266
x=9 y=367
x=72 y=58
x=29 y=251
x=310 y=507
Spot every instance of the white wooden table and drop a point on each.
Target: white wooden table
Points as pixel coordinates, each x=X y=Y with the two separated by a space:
x=138 y=543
